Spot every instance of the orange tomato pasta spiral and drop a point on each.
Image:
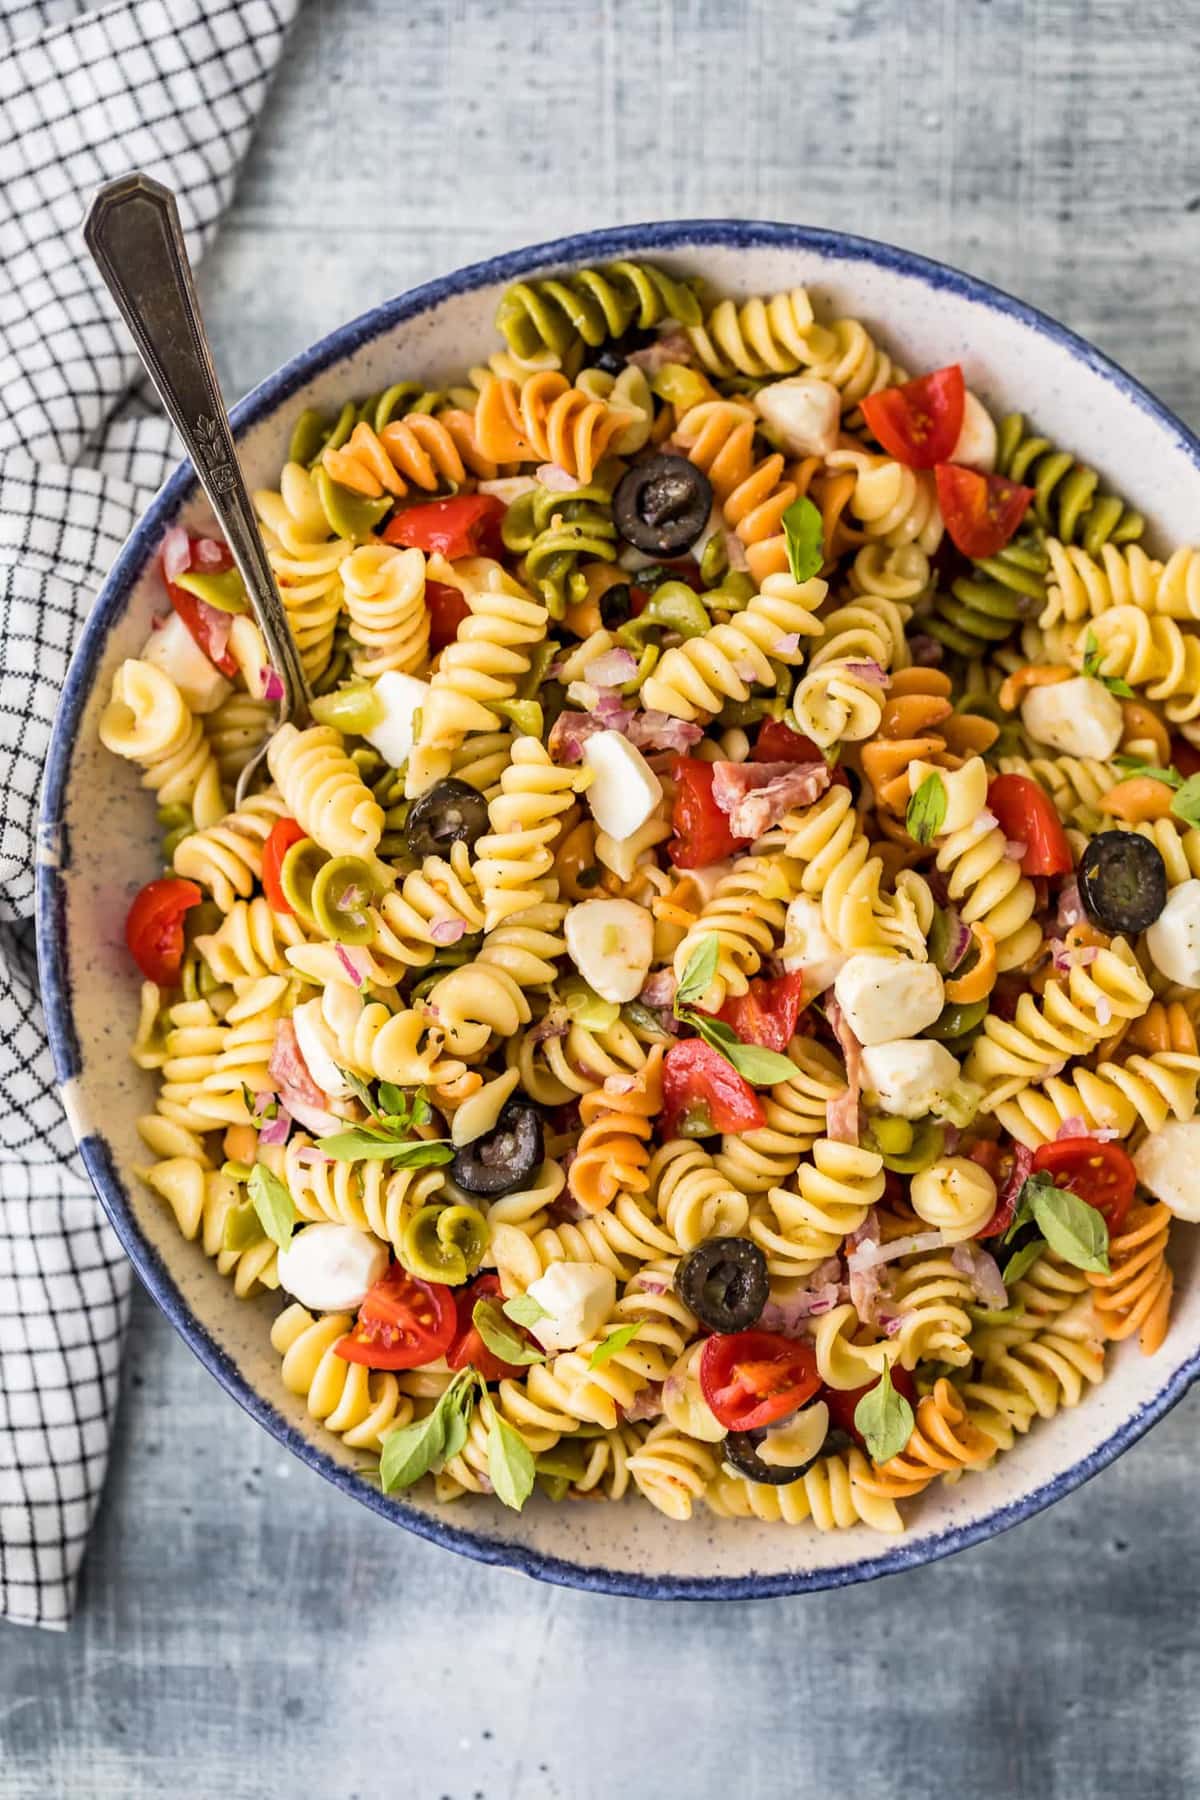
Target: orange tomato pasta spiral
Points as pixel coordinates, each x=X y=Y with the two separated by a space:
x=545 y=420
x=618 y=1121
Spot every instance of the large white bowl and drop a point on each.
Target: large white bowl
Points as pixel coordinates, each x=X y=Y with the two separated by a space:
x=98 y=844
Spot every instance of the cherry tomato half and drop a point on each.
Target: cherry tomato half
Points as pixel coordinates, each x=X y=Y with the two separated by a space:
x=1102 y=1174
x=704 y=1094
x=465 y=525
x=752 y=1378
x=283 y=834
x=981 y=511
x=1027 y=815
x=198 y=618
x=919 y=423
x=842 y=1402
x=467 y=1346
x=154 y=927
x=767 y=1012
x=402 y=1324
x=701 y=829
x=447 y=609
x=1185 y=757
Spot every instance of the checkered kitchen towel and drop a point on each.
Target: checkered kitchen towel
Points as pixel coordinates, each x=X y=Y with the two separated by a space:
x=87 y=92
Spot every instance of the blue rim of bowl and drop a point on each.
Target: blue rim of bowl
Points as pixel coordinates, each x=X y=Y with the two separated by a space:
x=588 y=247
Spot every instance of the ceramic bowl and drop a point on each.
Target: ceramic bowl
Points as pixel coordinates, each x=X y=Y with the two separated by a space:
x=99 y=844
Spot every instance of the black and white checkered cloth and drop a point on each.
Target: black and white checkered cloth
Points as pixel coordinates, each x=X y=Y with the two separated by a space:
x=87 y=92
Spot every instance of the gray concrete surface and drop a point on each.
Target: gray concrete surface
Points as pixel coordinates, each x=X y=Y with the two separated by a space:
x=244 y=1632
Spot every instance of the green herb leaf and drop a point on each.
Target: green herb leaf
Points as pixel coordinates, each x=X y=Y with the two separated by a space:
x=1070 y=1226
x=361 y=1091
x=1186 y=804
x=885 y=1419
x=615 y=1341
x=698 y=974
x=420 y=1111
x=763 y=1068
x=1091 y=666
x=415 y=1449
x=366 y=1145
x=488 y=1321
x=524 y=1310
x=805 y=537
x=927 y=810
x=1133 y=765
x=1022 y=1260
x=510 y=1464
x=273 y=1204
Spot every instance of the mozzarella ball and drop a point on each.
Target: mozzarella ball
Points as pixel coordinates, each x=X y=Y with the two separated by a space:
x=1174 y=938
x=173 y=649
x=329 y=1268
x=977 y=443
x=624 y=789
x=908 y=1078
x=1079 y=717
x=885 y=997
x=1168 y=1163
x=578 y=1298
x=965 y=790
x=804 y=412
x=808 y=947
x=402 y=697
x=318 y=1047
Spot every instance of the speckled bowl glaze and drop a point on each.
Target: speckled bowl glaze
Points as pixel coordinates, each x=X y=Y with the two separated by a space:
x=98 y=844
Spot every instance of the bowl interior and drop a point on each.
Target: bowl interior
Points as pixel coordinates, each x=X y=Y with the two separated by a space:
x=99 y=846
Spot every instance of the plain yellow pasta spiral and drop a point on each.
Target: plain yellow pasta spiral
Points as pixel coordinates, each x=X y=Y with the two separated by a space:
x=250 y=941
x=893 y=503
x=226 y=858
x=1150 y=651
x=324 y=790
x=694 y=1199
x=672 y=1470
x=803 y=1224
x=1141 y=1091
x=1080 y=586
x=856 y=365
x=832 y=1494
x=763 y=336
x=307 y=560
x=364 y=1194
x=746 y=924
x=201 y=1200
x=796 y=1110
x=147 y=721
x=515 y=855
x=361 y=1405
x=698 y=675
x=385 y=597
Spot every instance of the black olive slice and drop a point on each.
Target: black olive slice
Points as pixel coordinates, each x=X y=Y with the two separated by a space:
x=1122 y=881
x=724 y=1282
x=740 y=1451
x=505 y=1157
x=662 y=505
x=616 y=605
x=450 y=812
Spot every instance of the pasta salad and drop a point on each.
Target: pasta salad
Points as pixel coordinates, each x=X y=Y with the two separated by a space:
x=706 y=1006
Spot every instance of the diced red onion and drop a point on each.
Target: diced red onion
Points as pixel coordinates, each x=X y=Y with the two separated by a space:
x=1074 y=1127
x=672 y=347
x=554 y=477
x=850 y=1047
x=659 y=989
x=309 y=1157
x=1015 y=849
x=276 y=1130
x=271 y=682
x=986 y=820
x=1006 y=1199
x=176 y=553
x=447 y=931
x=869 y=1256
x=735 y=551
x=217 y=626
x=960 y=941
x=611 y=711
x=647 y=1403
x=313 y=1118
x=891 y=1323
x=873 y=672
x=787 y=645
x=207 y=553
x=1070 y=906
x=951 y=1138
x=746 y=671
x=611 y=669
x=554 y=1025
x=354 y=967
x=569 y=733
x=262 y=1100
x=926 y=652
x=841 y=1118
x=982 y=1271
x=1104 y=1011
x=652 y=730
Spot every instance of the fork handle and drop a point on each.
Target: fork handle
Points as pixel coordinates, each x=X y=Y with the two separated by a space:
x=133 y=232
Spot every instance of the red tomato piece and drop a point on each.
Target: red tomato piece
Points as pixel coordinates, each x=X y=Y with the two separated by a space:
x=447 y=610
x=1027 y=816
x=283 y=834
x=843 y=1401
x=154 y=927
x=198 y=618
x=752 y=1378
x=919 y=423
x=981 y=511
x=402 y=1324
x=767 y=1012
x=701 y=829
x=1102 y=1174
x=703 y=1090
x=465 y=525
x=467 y=1346
x=777 y=742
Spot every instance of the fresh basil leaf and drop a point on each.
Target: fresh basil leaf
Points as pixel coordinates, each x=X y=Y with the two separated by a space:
x=510 y=1463
x=1186 y=804
x=360 y=1090
x=1071 y=1227
x=457 y=1428
x=614 y=1342
x=391 y=1100
x=524 y=1310
x=698 y=974
x=273 y=1204
x=885 y=1419
x=1133 y=765
x=411 y=1451
x=368 y=1146
x=761 y=1068
x=488 y=1321
x=927 y=810
x=1022 y=1260
x=1091 y=666
x=420 y=1111
x=804 y=534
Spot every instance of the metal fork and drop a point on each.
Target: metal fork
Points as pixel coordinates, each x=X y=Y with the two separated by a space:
x=133 y=232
